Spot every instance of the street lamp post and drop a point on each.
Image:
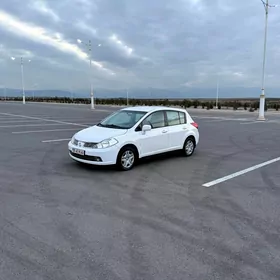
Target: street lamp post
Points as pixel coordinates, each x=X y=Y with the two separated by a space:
x=127 y=98
x=262 y=96
x=22 y=81
x=33 y=90
x=90 y=73
x=22 y=78
x=217 y=94
x=89 y=46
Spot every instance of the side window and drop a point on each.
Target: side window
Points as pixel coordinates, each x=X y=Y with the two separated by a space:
x=155 y=120
x=173 y=118
x=183 y=118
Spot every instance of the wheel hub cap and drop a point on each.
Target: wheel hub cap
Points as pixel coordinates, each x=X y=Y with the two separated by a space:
x=189 y=147
x=127 y=159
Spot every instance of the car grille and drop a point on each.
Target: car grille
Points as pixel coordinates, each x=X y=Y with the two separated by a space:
x=90 y=145
x=84 y=144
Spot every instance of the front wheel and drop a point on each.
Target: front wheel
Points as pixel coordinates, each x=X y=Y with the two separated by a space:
x=126 y=159
x=189 y=146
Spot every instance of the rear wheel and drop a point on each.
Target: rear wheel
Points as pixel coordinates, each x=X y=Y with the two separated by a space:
x=126 y=158
x=189 y=146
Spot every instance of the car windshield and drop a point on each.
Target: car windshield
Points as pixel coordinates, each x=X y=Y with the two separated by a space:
x=123 y=119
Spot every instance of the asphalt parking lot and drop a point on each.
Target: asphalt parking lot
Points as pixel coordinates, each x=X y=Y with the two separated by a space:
x=168 y=218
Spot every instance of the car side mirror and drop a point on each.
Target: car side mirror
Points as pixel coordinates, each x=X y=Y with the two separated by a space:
x=146 y=127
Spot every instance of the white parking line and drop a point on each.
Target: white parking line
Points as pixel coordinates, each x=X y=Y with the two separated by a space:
x=25 y=125
x=210 y=119
x=41 y=131
x=7 y=118
x=216 y=120
x=239 y=173
x=252 y=122
x=17 y=121
x=56 y=140
x=42 y=119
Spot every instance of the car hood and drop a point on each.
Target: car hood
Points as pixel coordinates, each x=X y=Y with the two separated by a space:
x=96 y=134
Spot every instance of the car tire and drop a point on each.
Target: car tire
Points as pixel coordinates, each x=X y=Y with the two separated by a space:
x=126 y=158
x=189 y=147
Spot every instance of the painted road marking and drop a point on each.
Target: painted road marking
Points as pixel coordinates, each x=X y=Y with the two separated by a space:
x=252 y=122
x=221 y=118
x=39 y=131
x=17 y=121
x=25 y=125
x=56 y=140
x=42 y=119
x=239 y=173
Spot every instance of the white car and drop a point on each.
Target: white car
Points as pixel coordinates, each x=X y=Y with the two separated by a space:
x=133 y=133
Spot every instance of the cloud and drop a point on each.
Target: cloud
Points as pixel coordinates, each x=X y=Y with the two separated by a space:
x=159 y=43
x=42 y=7
x=84 y=27
x=121 y=45
x=41 y=35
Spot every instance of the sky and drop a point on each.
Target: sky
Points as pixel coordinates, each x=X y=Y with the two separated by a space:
x=137 y=44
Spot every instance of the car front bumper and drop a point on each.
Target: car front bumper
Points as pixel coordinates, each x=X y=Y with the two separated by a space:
x=91 y=156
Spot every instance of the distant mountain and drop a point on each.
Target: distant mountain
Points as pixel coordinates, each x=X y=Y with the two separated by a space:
x=237 y=92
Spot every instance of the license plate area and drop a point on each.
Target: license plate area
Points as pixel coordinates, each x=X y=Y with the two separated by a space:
x=78 y=151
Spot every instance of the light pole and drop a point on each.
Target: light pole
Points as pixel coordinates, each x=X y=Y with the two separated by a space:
x=127 y=102
x=89 y=47
x=4 y=91
x=34 y=86
x=22 y=77
x=262 y=96
x=217 y=93
x=71 y=93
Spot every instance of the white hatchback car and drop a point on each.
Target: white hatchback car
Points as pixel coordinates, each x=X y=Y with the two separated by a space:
x=133 y=133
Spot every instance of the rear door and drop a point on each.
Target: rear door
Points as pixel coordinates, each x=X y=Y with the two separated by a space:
x=177 y=128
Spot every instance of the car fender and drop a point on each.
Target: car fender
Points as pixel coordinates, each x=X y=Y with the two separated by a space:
x=130 y=143
x=191 y=133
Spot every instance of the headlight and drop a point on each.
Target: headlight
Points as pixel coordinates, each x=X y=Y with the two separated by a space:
x=73 y=139
x=106 y=143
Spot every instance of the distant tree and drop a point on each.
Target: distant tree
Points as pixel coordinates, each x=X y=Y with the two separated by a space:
x=256 y=105
x=196 y=103
x=209 y=105
x=186 y=103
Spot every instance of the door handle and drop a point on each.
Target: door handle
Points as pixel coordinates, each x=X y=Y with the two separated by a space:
x=164 y=131
x=184 y=128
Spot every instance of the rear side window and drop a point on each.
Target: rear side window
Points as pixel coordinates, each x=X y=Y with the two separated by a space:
x=182 y=117
x=173 y=118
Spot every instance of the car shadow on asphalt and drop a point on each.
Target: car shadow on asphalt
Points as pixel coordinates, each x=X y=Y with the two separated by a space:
x=147 y=161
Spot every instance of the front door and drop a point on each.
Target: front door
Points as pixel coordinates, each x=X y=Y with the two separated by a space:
x=154 y=141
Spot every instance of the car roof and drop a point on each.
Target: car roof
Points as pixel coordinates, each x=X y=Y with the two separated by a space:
x=152 y=108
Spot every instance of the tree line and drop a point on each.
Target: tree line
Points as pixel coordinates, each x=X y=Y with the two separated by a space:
x=234 y=104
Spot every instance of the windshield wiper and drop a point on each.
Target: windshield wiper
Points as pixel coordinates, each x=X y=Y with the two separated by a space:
x=100 y=124
x=113 y=126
